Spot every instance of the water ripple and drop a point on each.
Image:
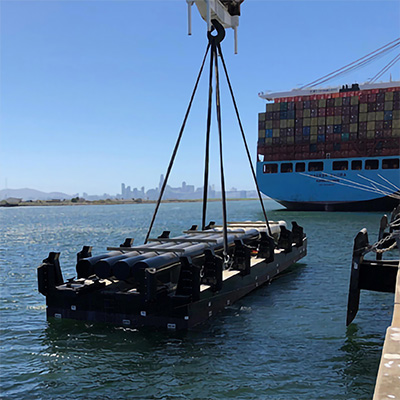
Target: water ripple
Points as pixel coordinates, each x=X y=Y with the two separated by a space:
x=287 y=340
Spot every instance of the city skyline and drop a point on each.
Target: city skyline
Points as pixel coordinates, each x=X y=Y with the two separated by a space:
x=183 y=192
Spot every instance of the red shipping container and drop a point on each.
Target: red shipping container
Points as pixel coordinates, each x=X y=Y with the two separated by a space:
x=345 y=127
x=395 y=143
x=380 y=97
x=329 y=128
x=369 y=144
x=362 y=126
x=330 y=102
x=353 y=153
x=336 y=154
x=387 y=133
x=346 y=101
x=329 y=138
x=267 y=150
x=330 y=111
x=354 y=110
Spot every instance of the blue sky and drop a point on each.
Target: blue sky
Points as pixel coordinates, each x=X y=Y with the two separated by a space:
x=93 y=93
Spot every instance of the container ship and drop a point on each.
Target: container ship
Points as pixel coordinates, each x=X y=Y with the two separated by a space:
x=333 y=149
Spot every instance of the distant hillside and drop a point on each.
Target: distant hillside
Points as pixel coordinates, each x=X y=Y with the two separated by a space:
x=32 y=194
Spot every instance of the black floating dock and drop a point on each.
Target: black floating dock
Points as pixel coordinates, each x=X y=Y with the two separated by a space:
x=173 y=283
x=377 y=275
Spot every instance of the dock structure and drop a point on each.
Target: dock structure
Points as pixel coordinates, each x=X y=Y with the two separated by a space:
x=380 y=275
x=388 y=378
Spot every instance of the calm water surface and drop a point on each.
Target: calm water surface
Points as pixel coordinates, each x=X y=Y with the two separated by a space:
x=287 y=340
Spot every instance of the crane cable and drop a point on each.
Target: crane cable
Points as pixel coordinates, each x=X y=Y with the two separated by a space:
x=385 y=68
x=359 y=65
x=356 y=64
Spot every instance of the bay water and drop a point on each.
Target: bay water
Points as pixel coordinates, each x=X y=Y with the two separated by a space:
x=287 y=340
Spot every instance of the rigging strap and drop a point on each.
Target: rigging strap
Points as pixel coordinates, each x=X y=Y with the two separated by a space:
x=176 y=147
x=207 y=150
x=214 y=44
x=244 y=140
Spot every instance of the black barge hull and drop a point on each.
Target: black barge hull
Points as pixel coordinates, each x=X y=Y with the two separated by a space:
x=160 y=300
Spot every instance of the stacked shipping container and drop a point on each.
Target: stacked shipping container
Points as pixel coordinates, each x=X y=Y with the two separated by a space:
x=337 y=125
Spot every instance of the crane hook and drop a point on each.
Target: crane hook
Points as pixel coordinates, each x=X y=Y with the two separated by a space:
x=220 y=36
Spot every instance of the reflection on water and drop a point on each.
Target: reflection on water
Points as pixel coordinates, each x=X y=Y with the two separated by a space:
x=287 y=340
x=361 y=352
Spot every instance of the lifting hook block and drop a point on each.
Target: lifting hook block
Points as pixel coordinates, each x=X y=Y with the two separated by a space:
x=220 y=36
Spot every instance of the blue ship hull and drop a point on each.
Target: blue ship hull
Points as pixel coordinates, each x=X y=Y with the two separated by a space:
x=331 y=190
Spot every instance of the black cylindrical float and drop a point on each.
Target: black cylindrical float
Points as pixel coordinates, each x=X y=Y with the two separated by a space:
x=84 y=267
x=103 y=268
x=123 y=269
x=169 y=258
